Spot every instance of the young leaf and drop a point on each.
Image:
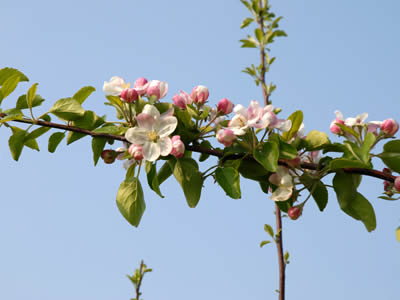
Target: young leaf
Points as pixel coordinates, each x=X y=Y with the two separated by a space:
x=316 y=140
x=130 y=201
x=263 y=243
x=37 y=133
x=268 y=156
x=391 y=155
x=16 y=142
x=165 y=172
x=287 y=151
x=398 y=233
x=268 y=229
x=6 y=73
x=297 y=120
x=22 y=102
x=152 y=178
x=9 y=86
x=229 y=180
x=98 y=144
x=67 y=109
x=246 y=22
x=54 y=140
x=30 y=95
x=186 y=172
x=83 y=93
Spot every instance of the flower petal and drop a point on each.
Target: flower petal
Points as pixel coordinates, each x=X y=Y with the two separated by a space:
x=146 y=121
x=166 y=126
x=281 y=194
x=151 y=110
x=136 y=135
x=165 y=145
x=151 y=151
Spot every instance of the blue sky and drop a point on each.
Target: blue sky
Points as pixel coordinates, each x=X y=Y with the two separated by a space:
x=61 y=233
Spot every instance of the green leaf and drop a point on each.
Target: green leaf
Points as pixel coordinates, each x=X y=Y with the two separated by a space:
x=316 y=140
x=165 y=172
x=16 y=142
x=152 y=178
x=111 y=129
x=252 y=170
x=353 y=203
x=229 y=180
x=22 y=102
x=12 y=114
x=263 y=243
x=9 y=86
x=98 y=144
x=340 y=163
x=130 y=201
x=31 y=143
x=320 y=195
x=389 y=198
x=37 y=133
x=204 y=156
x=297 y=120
x=398 y=233
x=186 y=172
x=348 y=130
x=248 y=44
x=54 y=140
x=268 y=156
x=287 y=151
x=246 y=22
x=245 y=3
x=67 y=109
x=391 y=155
x=89 y=121
x=268 y=229
x=30 y=95
x=83 y=93
x=6 y=73
x=259 y=34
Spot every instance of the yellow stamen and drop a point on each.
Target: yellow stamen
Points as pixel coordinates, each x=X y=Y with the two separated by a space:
x=152 y=135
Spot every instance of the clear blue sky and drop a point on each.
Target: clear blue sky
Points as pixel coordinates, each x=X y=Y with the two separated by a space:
x=62 y=236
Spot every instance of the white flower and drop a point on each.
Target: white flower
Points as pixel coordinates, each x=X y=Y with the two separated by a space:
x=359 y=120
x=284 y=182
x=245 y=118
x=153 y=132
x=115 y=86
x=269 y=119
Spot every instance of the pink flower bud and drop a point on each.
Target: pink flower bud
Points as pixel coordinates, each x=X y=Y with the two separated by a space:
x=182 y=99
x=389 y=127
x=108 y=156
x=334 y=128
x=225 y=106
x=199 y=94
x=387 y=186
x=136 y=151
x=295 y=212
x=178 y=147
x=140 y=86
x=129 y=95
x=157 y=89
x=397 y=184
x=226 y=137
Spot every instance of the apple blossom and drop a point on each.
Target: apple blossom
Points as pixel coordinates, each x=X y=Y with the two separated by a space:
x=334 y=128
x=178 y=147
x=295 y=212
x=115 y=86
x=129 y=95
x=199 y=94
x=373 y=126
x=397 y=184
x=153 y=132
x=182 y=99
x=140 y=85
x=269 y=119
x=284 y=183
x=245 y=118
x=389 y=127
x=157 y=89
x=136 y=151
x=226 y=136
x=225 y=106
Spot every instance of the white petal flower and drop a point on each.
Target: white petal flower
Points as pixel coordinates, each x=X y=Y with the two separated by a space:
x=284 y=183
x=115 y=86
x=153 y=132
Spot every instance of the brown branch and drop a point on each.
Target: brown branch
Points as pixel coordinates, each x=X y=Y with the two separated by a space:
x=279 y=248
x=260 y=21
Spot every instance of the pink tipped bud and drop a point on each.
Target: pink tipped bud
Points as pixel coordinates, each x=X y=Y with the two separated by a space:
x=129 y=95
x=389 y=127
x=397 y=184
x=225 y=106
x=136 y=151
x=108 y=156
x=295 y=212
x=140 y=86
x=157 y=89
x=178 y=147
x=226 y=137
x=334 y=128
x=199 y=94
x=182 y=99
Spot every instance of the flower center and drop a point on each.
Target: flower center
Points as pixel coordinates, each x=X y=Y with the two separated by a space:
x=153 y=136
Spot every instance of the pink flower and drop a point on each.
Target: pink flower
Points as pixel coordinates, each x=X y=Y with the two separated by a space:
x=339 y=119
x=226 y=136
x=136 y=151
x=199 y=94
x=157 y=89
x=225 y=106
x=269 y=119
x=397 y=184
x=140 y=86
x=390 y=127
x=182 y=99
x=115 y=86
x=178 y=147
x=295 y=212
x=129 y=95
x=245 y=118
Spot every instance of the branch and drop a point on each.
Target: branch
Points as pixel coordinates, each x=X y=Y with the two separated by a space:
x=200 y=149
